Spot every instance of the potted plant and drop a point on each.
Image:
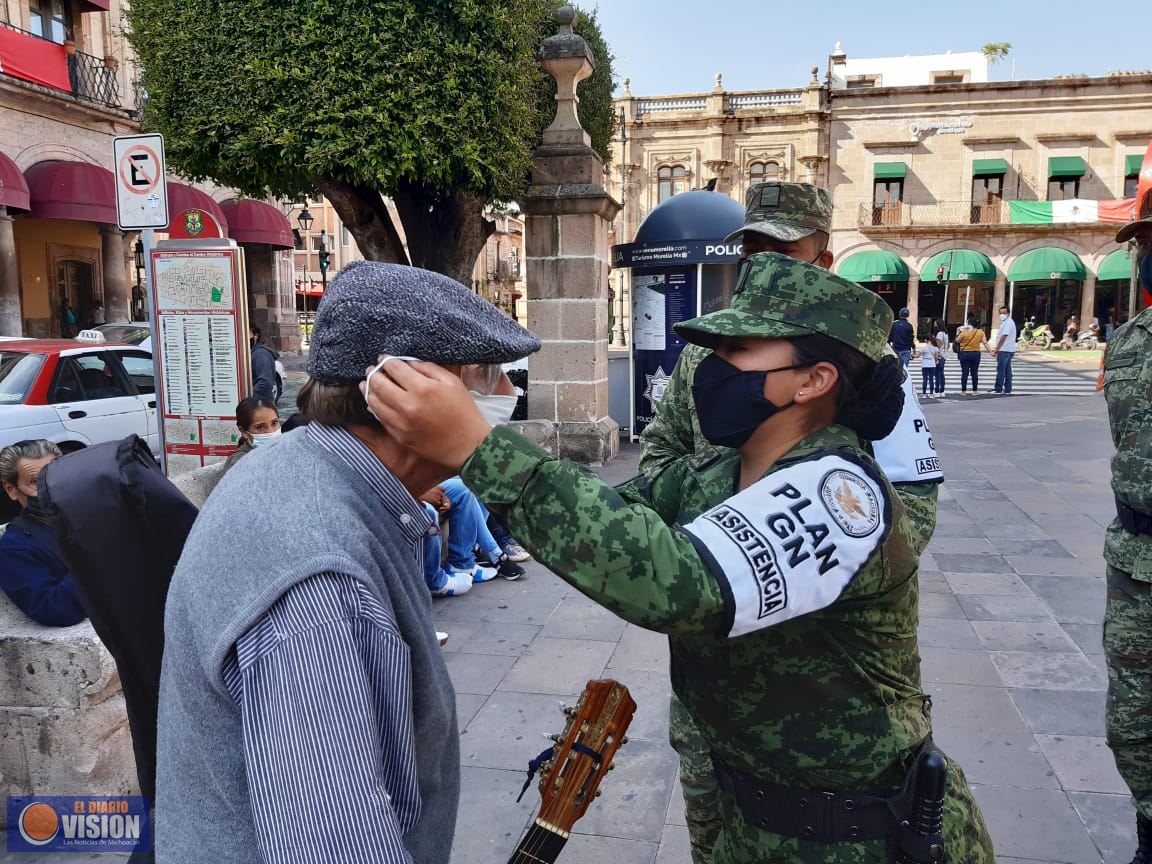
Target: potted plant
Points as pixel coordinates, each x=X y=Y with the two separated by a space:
x=69 y=46
x=111 y=62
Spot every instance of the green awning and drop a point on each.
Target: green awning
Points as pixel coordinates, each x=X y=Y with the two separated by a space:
x=966 y=264
x=890 y=170
x=1066 y=166
x=1132 y=164
x=1116 y=266
x=874 y=266
x=989 y=167
x=1048 y=262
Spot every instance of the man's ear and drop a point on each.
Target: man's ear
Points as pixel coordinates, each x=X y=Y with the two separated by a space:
x=11 y=491
x=825 y=259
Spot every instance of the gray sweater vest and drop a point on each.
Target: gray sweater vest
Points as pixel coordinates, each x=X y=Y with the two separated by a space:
x=280 y=516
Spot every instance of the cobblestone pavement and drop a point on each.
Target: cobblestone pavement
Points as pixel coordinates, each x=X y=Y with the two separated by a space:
x=1011 y=605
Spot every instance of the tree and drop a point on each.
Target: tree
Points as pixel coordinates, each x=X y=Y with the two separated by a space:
x=996 y=51
x=435 y=105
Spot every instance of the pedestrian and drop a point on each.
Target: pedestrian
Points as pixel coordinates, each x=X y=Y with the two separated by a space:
x=902 y=338
x=1128 y=548
x=302 y=672
x=944 y=344
x=33 y=572
x=929 y=355
x=792 y=219
x=98 y=314
x=970 y=341
x=1004 y=351
x=68 y=325
x=259 y=425
x=789 y=669
x=263 y=367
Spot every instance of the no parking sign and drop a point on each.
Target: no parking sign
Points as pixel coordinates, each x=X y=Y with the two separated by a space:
x=141 y=193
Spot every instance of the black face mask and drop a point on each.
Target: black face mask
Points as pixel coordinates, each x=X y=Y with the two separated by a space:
x=34 y=509
x=730 y=403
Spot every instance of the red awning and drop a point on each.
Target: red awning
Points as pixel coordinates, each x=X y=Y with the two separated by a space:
x=181 y=198
x=31 y=58
x=93 y=5
x=71 y=190
x=251 y=221
x=13 y=186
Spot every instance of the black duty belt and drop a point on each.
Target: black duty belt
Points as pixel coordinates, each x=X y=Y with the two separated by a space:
x=822 y=817
x=1133 y=521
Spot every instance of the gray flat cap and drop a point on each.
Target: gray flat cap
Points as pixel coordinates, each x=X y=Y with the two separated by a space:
x=373 y=308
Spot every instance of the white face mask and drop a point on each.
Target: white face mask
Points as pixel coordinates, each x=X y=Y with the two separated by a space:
x=1003 y=317
x=497 y=410
x=265 y=439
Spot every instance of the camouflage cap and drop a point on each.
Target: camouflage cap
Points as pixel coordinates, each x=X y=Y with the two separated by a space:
x=1132 y=229
x=786 y=211
x=781 y=298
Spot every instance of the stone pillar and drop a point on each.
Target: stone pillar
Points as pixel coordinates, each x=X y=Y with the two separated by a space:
x=914 y=301
x=999 y=295
x=11 y=322
x=117 y=299
x=279 y=328
x=1088 y=304
x=567 y=212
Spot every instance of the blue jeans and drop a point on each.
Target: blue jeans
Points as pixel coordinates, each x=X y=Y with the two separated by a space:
x=905 y=357
x=434 y=574
x=940 y=375
x=969 y=365
x=1004 y=371
x=467 y=527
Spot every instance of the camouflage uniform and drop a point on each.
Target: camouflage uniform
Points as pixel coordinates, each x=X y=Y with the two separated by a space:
x=793 y=212
x=828 y=699
x=1128 y=619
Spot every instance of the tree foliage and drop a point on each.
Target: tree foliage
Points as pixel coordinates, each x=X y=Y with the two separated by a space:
x=434 y=104
x=996 y=51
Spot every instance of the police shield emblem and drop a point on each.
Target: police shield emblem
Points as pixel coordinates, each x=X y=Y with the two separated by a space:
x=193 y=222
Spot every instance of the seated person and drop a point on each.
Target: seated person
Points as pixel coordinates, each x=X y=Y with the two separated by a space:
x=259 y=425
x=33 y=573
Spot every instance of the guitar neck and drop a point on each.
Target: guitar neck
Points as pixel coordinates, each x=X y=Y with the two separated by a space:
x=541 y=845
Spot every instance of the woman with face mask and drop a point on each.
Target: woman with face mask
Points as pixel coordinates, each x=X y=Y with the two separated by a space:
x=33 y=572
x=259 y=425
x=783 y=571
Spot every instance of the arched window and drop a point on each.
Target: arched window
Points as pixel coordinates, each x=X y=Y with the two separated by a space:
x=672 y=180
x=760 y=172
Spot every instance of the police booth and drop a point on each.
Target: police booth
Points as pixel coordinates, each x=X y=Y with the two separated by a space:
x=680 y=267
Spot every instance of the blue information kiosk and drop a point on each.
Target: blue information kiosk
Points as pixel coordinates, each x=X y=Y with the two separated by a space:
x=680 y=268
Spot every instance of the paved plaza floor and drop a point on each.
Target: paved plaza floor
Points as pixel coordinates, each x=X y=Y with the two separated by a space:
x=1011 y=604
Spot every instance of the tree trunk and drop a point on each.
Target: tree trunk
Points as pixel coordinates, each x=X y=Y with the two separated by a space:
x=366 y=217
x=444 y=234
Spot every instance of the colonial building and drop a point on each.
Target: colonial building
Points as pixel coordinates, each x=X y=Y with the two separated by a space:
x=953 y=193
x=69 y=84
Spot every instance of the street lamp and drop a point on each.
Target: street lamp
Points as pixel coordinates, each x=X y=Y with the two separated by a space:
x=305 y=219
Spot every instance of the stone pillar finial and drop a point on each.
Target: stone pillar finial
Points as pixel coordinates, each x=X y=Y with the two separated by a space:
x=719 y=81
x=568 y=59
x=627 y=88
x=815 y=82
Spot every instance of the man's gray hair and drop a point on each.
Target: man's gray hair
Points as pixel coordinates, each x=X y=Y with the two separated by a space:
x=11 y=456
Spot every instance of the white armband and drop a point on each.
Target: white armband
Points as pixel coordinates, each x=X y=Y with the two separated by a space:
x=791 y=543
x=908 y=454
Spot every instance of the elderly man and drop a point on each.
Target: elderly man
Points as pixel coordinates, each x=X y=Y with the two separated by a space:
x=306 y=714
x=33 y=573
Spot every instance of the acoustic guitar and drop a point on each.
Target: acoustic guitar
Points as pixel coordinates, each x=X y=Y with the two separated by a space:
x=571 y=770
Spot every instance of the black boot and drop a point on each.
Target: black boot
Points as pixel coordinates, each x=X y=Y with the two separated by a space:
x=1144 y=833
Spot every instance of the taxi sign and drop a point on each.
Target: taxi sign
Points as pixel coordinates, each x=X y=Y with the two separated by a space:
x=141 y=192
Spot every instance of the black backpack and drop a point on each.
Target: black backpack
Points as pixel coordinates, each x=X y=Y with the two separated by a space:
x=121 y=525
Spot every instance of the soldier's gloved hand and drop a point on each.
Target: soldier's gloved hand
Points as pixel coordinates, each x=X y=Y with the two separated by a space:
x=427 y=409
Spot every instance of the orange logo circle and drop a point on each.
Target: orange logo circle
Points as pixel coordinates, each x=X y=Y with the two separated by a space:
x=38 y=823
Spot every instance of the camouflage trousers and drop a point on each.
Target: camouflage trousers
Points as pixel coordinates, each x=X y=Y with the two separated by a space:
x=1128 y=650
x=718 y=833
x=697 y=782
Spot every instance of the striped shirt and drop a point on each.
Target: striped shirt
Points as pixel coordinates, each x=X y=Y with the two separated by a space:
x=324 y=685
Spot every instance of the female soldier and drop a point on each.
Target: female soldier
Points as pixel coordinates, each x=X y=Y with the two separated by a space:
x=784 y=572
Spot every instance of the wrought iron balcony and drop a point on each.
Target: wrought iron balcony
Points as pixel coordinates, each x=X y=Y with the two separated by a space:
x=94 y=79
x=941 y=214
x=30 y=57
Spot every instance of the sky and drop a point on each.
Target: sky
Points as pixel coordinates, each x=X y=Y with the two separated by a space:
x=676 y=46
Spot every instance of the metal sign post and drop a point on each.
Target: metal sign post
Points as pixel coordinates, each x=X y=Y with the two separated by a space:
x=142 y=205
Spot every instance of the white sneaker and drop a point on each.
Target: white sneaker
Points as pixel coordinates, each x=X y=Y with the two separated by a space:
x=442 y=638
x=477 y=574
x=516 y=553
x=457 y=583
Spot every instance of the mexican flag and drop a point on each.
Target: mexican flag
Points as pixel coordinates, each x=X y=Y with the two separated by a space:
x=1073 y=211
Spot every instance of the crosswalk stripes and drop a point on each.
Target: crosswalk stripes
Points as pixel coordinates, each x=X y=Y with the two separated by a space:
x=1029 y=378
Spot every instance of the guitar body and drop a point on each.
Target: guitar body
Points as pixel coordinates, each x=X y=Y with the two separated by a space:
x=572 y=770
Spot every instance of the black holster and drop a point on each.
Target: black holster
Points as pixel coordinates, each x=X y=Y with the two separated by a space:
x=832 y=817
x=1134 y=521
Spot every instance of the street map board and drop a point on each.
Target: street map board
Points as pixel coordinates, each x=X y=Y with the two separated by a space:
x=202 y=340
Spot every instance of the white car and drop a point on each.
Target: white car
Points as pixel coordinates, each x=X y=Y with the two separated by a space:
x=76 y=393
x=139 y=333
